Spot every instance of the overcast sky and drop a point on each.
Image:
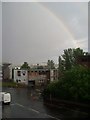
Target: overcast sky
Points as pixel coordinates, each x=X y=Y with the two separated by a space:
x=36 y=32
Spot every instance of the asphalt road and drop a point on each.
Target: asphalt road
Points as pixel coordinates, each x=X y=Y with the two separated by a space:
x=27 y=103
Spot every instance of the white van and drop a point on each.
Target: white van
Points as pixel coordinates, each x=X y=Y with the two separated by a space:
x=5 y=97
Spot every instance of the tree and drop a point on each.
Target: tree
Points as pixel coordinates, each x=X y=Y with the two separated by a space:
x=50 y=64
x=74 y=86
x=40 y=67
x=77 y=52
x=25 y=66
x=70 y=57
x=60 y=66
x=67 y=58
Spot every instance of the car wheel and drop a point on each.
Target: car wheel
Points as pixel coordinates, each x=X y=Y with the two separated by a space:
x=8 y=103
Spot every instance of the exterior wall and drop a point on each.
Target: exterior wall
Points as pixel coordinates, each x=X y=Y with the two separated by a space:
x=35 y=76
x=43 y=76
x=10 y=68
x=0 y=75
x=6 y=73
x=40 y=76
x=84 y=60
x=53 y=75
x=21 y=76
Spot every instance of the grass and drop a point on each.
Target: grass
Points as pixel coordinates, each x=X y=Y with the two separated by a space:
x=12 y=84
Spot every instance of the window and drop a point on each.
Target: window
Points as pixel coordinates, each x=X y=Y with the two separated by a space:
x=17 y=81
x=18 y=73
x=23 y=72
x=39 y=73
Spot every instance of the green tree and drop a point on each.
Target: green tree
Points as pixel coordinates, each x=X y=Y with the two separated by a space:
x=50 y=64
x=60 y=67
x=74 y=86
x=25 y=66
x=77 y=52
x=40 y=67
x=70 y=57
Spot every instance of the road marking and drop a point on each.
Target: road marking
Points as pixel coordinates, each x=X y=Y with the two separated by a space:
x=34 y=110
x=12 y=104
x=20 y=105
x=53 y=117
x=27 y=108
x=31 y=109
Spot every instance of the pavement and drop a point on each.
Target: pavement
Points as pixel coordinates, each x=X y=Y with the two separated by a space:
x=27 y=103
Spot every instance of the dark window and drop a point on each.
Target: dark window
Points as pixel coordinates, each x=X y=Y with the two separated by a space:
x=18 y=73
x=17 y=81
x=23 y=73
x=39 y=73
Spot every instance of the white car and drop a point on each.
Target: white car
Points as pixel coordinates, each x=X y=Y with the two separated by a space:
x=5 y=97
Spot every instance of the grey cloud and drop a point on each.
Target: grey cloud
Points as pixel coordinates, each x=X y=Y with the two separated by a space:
x=32 y=34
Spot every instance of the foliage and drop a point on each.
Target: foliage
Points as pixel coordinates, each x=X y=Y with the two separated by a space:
x=8 y=84
x=40 y=67
x=12 y=84
x=50 y=64
x=74 y=85
x=60 y=66
x=70 y=57
x=25 y=66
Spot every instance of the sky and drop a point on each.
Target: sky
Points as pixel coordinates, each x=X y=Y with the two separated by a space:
x=37 y=31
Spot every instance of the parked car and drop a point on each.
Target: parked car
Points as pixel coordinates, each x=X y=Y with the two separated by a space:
x=5 y=97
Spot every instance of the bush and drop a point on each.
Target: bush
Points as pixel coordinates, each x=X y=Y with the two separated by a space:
x=73 y=86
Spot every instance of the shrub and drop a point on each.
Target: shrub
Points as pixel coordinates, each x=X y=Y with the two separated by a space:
x=73 y=86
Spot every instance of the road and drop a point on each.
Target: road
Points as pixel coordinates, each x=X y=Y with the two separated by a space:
x=27 y=103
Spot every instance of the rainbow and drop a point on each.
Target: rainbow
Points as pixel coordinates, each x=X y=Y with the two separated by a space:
x=61 y=24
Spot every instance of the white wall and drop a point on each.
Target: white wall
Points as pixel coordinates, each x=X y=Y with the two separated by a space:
x=10 y=67
x=0 y=75
x=23 y=78
x=51 y=75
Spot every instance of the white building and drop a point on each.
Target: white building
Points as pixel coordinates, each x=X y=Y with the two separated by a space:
x=53 y=75
x=21 y=76
x=10 y=68
x=0 y=73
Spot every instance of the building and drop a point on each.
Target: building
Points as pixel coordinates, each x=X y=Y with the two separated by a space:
x=84 y=60
x=40 y=77
x=7 y=71
x=20 y=76
x=53 y=75
x=0 y=73
x=36 y=76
